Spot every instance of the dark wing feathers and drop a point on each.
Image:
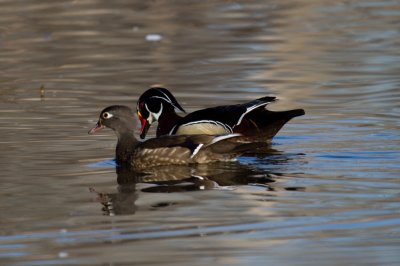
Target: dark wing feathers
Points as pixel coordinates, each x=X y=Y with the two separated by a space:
x=227 y=114
x=266 y=124
x=267 y=99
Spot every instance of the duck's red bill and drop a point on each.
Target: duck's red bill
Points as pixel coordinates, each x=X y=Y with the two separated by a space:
x=145 y=126
x=96 y=128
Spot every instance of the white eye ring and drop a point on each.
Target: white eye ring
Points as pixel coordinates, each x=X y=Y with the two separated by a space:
x=107 y=115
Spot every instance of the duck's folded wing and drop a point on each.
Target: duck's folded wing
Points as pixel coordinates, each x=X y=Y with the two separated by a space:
x=218 y=120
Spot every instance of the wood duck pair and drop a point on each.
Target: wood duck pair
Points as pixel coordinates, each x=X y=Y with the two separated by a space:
x=250 y=119
x=166 y=150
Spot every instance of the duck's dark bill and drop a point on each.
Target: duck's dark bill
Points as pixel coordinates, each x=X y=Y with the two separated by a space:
x=96 y=128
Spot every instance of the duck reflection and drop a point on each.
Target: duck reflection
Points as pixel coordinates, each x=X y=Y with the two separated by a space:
x=173 y=179
x=258 y=169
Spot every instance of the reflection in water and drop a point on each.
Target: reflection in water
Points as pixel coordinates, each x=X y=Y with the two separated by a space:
x=122 y=202
x=177 y=179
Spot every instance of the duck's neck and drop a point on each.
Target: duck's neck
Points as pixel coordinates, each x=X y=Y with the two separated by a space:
x=166 y=122
x=125 y=146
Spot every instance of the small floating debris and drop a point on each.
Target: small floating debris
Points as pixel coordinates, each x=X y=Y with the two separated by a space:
x=42 y=92
x=63 y=254
x=153 y=37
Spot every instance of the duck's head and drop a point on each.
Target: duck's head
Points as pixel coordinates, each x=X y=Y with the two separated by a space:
x=117 y=117
x=151 y=104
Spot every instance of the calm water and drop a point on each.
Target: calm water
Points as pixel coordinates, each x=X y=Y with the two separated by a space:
x=327 y=194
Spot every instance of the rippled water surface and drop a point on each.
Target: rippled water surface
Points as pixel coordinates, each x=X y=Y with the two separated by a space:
x=327 y=194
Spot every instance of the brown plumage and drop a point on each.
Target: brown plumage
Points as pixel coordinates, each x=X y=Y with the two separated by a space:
x=166 y=150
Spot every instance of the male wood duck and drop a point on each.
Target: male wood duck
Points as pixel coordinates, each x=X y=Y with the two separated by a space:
x=166 y=150
x=250 y=119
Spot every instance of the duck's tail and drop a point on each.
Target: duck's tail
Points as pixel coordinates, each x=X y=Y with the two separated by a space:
x=262 y=124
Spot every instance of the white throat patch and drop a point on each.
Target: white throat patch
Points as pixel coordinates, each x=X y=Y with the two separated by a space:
x=153 y=116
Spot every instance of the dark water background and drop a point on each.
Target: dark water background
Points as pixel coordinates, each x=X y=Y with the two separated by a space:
x=328 y=195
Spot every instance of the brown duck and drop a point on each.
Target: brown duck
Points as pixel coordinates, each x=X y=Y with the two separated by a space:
x=166 y=150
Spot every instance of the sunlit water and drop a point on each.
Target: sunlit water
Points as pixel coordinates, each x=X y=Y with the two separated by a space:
x=328 y=193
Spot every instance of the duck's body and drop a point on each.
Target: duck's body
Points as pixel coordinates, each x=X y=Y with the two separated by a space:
x=250 y=119
x=166 y=150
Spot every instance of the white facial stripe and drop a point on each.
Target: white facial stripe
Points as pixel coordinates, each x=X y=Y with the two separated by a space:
x=248 y=110
x=166 y=96
x=150 y=118
x=166 y=99
x=159 y=97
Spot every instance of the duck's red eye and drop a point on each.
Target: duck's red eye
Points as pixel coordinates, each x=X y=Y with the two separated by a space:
x=141 y=105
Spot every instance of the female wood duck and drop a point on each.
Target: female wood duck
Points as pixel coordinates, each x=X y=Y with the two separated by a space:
x=166 y=150
x=250 y=119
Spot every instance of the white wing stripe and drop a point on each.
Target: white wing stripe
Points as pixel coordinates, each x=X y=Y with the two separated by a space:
x=219 y=138
x=196 y=150
x=172 y=130
x=248 y=110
